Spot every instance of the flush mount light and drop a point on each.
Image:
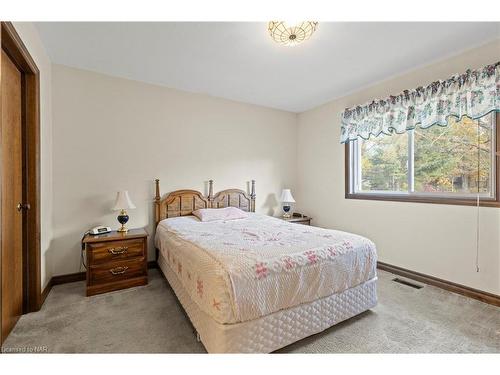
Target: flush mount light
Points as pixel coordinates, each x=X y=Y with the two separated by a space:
x=291 y=33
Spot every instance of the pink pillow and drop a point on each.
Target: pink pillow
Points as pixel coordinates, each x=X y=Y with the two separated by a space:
x=213 y=214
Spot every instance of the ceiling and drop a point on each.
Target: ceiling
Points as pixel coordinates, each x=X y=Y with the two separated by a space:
x=239 y=61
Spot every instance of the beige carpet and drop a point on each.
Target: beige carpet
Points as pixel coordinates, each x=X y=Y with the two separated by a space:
x=150 y=320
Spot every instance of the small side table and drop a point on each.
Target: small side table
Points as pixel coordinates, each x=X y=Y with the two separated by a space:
x=116 y=260
x=298 y=219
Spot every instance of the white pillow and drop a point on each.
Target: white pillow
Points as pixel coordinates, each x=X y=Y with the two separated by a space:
x=213 y=214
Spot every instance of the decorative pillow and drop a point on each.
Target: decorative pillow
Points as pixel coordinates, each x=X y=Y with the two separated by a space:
x=213 y=214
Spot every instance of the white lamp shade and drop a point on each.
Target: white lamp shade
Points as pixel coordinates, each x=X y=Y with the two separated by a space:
x=286 y=196
x=123 y=201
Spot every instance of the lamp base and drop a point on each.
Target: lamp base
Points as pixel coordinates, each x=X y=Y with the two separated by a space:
x=122 y=219
x=122 y=229
x=286 y=211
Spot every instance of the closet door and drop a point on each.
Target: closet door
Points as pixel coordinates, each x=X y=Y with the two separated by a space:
x=11 y=195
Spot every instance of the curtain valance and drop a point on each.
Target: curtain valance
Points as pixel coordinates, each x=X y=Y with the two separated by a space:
x=474 y=94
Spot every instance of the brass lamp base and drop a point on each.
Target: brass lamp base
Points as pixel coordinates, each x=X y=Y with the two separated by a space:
x=122 y=229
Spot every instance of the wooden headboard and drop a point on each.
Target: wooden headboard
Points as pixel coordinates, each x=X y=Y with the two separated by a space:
x=184 y=202
x=234 y=198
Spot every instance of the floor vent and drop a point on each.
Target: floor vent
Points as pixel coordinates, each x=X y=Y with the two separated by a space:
x=407 y=283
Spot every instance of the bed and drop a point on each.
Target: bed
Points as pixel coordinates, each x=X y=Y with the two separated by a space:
x=257 y=284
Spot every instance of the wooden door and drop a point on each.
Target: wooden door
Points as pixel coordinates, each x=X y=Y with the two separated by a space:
x=11 y=187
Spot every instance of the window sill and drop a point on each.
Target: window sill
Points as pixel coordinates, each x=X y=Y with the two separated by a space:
x=484 y=202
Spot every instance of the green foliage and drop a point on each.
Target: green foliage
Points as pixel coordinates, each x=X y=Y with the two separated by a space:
x=445 y=159
x=385 y=163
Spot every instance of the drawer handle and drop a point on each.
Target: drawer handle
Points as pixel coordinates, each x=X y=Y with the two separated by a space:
x=118 y=270
x=118 y=250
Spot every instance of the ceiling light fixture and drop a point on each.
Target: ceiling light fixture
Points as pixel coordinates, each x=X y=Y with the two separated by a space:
x=291 y=33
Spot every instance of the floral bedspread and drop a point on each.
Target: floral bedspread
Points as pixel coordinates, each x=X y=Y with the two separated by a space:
x=239 y=270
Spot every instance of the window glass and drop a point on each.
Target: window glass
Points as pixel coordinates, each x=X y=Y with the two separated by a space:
x=384 y=163
x=457 y=160
x=446 y=158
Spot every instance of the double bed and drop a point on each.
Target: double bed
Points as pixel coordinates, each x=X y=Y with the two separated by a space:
x=257 y=284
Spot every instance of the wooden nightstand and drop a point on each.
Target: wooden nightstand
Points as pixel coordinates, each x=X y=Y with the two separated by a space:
x=298 y=219
x=116 y=260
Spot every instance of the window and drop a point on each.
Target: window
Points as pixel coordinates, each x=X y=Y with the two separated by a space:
x=452 y=164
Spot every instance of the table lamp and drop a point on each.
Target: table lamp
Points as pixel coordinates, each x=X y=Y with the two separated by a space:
x=122 y=204
x=287 y=199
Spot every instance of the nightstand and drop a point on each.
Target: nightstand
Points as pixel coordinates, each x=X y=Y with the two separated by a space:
x=298 y=219
x=116 y=260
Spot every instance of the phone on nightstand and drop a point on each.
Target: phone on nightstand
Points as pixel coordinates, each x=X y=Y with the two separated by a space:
x=100 y=230
x=94 y=231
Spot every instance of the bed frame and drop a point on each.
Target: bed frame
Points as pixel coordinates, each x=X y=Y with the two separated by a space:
x=184 y=202
x=270 y=332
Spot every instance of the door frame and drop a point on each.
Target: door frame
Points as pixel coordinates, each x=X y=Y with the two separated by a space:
x=30 y=84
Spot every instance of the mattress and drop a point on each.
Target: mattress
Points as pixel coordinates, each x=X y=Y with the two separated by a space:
x=240 y=270
x=276 y=330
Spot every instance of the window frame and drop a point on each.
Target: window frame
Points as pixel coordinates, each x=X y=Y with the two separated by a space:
x=485 y=201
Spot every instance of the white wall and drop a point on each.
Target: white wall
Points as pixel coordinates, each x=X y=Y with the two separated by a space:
x=112 y=134
x=439 y=240
x=141 y=131
x=31 y=40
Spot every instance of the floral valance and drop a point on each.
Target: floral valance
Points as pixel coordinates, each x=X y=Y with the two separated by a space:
x=474 y=94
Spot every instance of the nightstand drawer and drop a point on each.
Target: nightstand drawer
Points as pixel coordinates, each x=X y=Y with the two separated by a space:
x=115 y=250
x=116 y=271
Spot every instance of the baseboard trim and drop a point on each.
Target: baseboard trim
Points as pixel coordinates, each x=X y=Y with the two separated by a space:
x=60 y=279
x=486 y=297
x=68 y=278
x=45 y=293
x=74 y=277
